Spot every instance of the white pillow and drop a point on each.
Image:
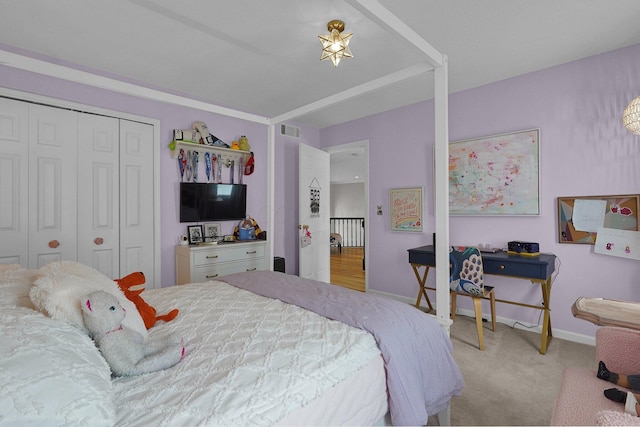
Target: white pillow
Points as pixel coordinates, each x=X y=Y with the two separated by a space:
x=61 y=285
x=15 y=284
x=51 y=373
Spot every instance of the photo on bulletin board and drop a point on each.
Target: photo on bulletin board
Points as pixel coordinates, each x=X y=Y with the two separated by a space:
x=580 y=217
x=405 y=208
x=495 y=175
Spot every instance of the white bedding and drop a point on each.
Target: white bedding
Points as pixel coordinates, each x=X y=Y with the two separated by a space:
x=249 y=360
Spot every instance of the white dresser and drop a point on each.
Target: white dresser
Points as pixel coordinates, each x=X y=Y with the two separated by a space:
x=201 y=263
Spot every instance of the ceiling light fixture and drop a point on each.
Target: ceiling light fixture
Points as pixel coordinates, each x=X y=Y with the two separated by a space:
x=335 y=45
x=631 y=116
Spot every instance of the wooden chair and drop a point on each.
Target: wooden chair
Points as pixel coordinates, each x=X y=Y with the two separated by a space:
x=467 y=278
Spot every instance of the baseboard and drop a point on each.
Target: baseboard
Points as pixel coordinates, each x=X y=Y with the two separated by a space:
x=557 y=333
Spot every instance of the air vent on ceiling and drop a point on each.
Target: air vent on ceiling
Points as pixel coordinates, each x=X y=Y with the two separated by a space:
x=289 y=130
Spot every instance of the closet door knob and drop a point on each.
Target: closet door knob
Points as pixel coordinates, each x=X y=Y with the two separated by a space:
x=98 y=241
x=54 y=244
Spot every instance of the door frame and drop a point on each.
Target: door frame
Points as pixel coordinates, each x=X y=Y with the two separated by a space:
x=60 y=103
x=365 y=145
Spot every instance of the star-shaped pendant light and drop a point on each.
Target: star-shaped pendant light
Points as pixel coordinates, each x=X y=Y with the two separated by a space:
x=335 y=45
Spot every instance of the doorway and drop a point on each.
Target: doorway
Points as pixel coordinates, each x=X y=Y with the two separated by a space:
x=349 y=173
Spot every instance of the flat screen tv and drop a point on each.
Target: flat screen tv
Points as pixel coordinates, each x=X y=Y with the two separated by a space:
x=200 y=201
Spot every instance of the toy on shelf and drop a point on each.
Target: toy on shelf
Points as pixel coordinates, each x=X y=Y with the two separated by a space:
x=244 y=143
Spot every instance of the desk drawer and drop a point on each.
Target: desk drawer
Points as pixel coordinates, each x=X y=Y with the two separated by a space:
x=517 y=269
x=225 y=254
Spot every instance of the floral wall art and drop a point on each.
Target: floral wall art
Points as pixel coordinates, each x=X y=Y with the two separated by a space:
x=495 y=175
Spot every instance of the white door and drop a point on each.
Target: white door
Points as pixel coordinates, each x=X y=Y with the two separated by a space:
x=137 y=201
x=14 y=182
x=313 y=213
x=98 y=193
x=53 y=190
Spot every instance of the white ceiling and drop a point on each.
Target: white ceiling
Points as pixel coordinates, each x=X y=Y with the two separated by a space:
x=262 y=57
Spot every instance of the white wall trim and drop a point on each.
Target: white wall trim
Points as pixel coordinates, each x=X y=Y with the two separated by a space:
x=71 y=74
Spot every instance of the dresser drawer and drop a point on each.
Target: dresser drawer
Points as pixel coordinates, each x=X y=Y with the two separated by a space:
x=225 y=254
x=206 y=273
x=196 y=264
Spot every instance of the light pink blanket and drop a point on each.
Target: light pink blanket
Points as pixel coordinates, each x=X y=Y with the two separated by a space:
x=421 y=373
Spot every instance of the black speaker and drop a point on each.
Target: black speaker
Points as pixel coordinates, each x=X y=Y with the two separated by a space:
x=278 y=264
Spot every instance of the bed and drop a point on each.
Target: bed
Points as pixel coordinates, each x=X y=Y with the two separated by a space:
x=262 y=348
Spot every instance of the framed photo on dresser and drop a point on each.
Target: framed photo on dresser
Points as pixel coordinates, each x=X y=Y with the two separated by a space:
x=212 y=231
x=196 y=235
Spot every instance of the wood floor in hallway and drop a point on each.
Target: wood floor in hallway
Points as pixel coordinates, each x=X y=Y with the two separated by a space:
x=346 y=268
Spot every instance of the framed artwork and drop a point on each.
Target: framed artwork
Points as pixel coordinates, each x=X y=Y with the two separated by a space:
x=580 y=217
x=495 y=175
x=405 y=209
x=212 y=231
x=195 y=234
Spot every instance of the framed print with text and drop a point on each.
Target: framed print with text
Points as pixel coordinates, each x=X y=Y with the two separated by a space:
x=405 y=209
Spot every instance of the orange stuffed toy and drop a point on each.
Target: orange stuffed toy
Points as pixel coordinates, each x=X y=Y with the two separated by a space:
x=132 y=285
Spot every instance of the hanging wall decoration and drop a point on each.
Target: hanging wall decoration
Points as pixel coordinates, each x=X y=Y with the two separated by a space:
x=314 y=196
x=495 y=175
x=580 y=218
x=405 y=207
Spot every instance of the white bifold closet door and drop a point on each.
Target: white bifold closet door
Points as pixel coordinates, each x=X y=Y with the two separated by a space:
x=14 y=178
x=76 y=186
x=52 y=185
x=137 y=215
x=98 y=193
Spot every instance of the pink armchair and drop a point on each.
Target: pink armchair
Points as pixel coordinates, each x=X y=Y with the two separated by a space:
x=581 y=398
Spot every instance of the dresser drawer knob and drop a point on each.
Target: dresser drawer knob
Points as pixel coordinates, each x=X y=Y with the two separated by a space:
x=252 y=252
x=251 y=269
x=212 y=256
x=211 y=277
x=501 y=267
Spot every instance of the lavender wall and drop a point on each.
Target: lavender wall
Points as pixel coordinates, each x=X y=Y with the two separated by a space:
x=585 y=150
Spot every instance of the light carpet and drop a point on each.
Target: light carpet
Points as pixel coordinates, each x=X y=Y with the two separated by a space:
x=510 y=383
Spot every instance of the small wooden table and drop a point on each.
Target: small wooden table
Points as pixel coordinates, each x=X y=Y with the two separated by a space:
x=607 y=312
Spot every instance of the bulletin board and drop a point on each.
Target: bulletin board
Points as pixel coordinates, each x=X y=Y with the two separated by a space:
x=580 y=217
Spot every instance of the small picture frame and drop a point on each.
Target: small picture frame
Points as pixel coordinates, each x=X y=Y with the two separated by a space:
x=212 y=231
x=405 y=208
x=195 y=234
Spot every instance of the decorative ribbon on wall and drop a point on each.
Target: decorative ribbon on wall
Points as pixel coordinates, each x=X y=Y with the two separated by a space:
x=314 y=196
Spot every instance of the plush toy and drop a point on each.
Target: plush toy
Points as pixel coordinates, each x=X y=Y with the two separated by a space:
x=132 y=285
x=244 y=143
x=125 y=350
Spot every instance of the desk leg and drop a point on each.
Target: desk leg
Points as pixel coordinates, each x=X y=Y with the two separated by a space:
x=422 y=280
x=547 y=334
